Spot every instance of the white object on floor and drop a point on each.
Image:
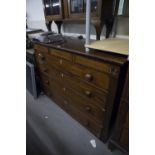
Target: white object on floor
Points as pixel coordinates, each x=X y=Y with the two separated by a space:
x=93 y=143
x=46 y=117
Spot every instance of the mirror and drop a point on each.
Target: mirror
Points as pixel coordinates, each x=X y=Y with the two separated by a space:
x=123 y=9
x=52 y=7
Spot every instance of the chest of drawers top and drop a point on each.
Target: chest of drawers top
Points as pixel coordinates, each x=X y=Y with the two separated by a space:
x=76 y=46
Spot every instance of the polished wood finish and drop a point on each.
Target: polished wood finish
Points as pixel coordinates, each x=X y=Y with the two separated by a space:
x=60 y=54
x=120 y=137
x=86 y=85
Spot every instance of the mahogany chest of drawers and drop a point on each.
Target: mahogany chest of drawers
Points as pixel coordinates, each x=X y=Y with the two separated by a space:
x=86 y=86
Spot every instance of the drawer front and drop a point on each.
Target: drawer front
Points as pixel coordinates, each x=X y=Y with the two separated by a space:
x=53 y=92
x=100 y=66
x=89 y=92
x=41 y=48
x=59 y=64
x=98 y=79
x=74 y=100
x=86 y=121
x=61 y=54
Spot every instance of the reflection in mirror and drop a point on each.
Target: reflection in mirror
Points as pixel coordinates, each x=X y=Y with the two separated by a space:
x=93 y=5
x=123 y=9
x=56 y=7
x=47 y=4
x=52 y=7
x=76 y=6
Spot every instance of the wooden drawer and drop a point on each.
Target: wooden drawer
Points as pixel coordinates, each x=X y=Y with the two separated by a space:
x=60 y=54
x=89 y=92
x=53 y=92
x=100 y=66
x=41 y=48
x=93 y=77
x=59 y=63
x=86 y=121
x=97 y=114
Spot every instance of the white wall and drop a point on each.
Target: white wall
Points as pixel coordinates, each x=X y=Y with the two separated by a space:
x=35 y=14
x=35 y=19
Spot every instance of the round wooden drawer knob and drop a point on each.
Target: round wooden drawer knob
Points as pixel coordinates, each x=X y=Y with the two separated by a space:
x=47 y=82
x=65 y=102
x=88 y=77
x=41 y=56
x=88 y=109
x=62 y=75
x=45 y=70
x=60 y=62
x=86 y=123
x=88 y=93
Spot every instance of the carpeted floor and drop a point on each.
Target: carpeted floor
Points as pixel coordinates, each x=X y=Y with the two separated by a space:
x=51 y=131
